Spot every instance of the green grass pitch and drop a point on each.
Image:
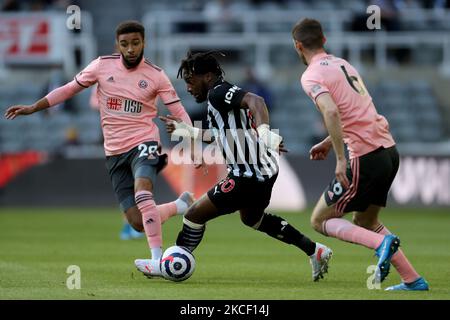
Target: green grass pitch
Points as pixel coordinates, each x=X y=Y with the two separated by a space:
x=233 y=261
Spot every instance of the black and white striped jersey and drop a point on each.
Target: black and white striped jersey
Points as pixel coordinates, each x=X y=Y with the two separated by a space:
x=235 y=134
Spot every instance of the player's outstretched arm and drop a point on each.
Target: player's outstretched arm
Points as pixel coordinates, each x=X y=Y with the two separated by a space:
x=55 y=97
x=332 y=121
x=258 y=108
x=24 y=110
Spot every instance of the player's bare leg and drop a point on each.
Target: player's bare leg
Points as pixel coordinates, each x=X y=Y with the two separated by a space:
x=128 y=232
x=280 y=229
x=134 y=218
x=324 y=221
x=411 y=280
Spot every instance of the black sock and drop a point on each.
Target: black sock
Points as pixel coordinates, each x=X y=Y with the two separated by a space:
x=280 y=229
x=190 y=237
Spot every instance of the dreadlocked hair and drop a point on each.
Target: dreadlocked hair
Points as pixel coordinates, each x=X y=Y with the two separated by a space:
x=200 y=63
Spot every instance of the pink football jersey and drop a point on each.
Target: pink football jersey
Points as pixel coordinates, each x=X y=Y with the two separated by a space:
x=127 y=100
x=363 y=128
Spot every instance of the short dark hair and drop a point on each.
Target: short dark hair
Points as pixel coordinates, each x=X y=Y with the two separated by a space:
x=130 y=26
x=309 y=33
x=200 y=63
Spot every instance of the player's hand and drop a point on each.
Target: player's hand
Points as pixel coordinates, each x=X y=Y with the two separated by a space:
x=320 y=151
x=341 y=173
x=20 y=110
x=170 y=122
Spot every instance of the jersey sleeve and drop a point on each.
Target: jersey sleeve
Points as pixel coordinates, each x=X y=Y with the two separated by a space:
x=314 y=85
x=166 y=91
x=226 y=97
x=88 y=76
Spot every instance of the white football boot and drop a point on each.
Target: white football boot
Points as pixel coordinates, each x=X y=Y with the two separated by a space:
x=319 y=261
x=149 y=267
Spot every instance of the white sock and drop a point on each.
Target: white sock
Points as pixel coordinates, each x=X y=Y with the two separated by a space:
x=181 y=206
x=156 y=253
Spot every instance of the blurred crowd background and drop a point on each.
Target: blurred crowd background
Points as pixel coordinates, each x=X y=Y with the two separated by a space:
x=405 y=64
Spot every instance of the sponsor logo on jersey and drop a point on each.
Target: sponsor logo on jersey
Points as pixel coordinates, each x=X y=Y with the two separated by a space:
x=337 y=189
x=114 y=103
x=125 y=105
x=227 y=185
x=229 y=95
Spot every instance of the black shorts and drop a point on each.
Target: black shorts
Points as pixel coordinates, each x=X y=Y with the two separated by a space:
x=235 y=193
x=371 y=177
x=143 y=161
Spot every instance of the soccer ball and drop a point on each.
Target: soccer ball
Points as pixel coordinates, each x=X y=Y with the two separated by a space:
x=177 y=264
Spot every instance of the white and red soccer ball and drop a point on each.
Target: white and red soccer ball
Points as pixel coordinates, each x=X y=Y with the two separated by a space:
x=177 y=264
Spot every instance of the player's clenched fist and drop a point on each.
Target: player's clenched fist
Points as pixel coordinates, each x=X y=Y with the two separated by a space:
x=320 y=150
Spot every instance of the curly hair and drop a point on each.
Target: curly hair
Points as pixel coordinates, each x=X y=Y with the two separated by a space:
x=200 y=63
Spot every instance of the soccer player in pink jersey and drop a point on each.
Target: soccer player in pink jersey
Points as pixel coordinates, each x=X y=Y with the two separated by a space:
x=361 y=184
x=128 y=86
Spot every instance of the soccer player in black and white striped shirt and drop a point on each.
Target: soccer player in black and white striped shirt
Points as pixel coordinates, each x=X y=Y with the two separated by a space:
x=251 y=156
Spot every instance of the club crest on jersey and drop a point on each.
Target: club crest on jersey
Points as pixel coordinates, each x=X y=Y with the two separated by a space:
x=143 y=84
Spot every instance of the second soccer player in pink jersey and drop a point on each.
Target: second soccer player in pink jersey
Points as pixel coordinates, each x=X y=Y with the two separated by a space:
x=361 y=184
x=128 y=86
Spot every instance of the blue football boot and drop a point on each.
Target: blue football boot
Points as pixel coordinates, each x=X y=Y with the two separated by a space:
x=128 y=232
x=384 y=252
x=419 y=285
